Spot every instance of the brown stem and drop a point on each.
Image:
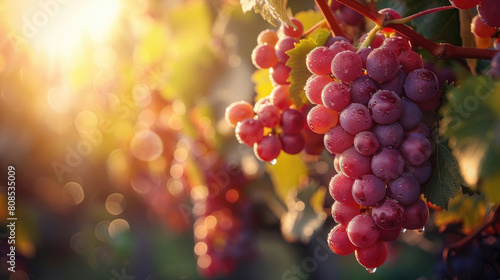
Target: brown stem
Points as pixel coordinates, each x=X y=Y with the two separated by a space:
x=364 y=10
x=492 y=218
x=331 y=20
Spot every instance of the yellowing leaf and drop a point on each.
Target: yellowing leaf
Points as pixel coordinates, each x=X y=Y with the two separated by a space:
x=270 y=10
x=465 y=209
x=309 y=19
x=286 y=174
x=263 y=86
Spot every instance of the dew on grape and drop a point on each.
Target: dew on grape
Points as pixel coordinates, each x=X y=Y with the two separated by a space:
x=273 y=162
x=403 y=230
x=371 y=270
x=422 y=229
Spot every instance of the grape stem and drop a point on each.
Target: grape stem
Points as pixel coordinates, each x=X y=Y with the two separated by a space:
x=314 y=27
x=442 y=51
x=417 y=15
x=331 y=20
x=493 y=217
x=370 y=37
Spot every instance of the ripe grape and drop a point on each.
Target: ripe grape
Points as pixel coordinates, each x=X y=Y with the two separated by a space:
x=320 y=119
x=396 y=84
x=385 y=107
x=337 y=140
x=282 y=46
x=355 y=118
x=279 y=73
x=319 y=60
x=293 y=32
x=339 y=242
x=264 y=56
x=280 y=97
x=366 y=143
x=238 y=111
x=388 y=214
x=363 y=54
x=416 y=149
x=292 y=121
x=405 y=189
x=422 y=172
x=387 y=164
x=410 y=61
x=362 y=89
x=249 y=131
x=341 y=46
x=389 y=135
x=340 y=188
x=347 y=66
x=343 y=213
x=421 y=85
x=268 y=148
x=416 y=215
x=368 y=190
x=350 y=16
x=335 y=95
x=481 y=30
x=267 y=36
x=362 y=231
x=382 y=64
x=397 y=44
x=314 y=87
x=411 y=116
x=388 y=235
x=373 y=256
x=292 y=143
x=269 y=116
x=354 y=164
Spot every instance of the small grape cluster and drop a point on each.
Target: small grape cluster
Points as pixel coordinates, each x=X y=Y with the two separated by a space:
x=273 y=124
x=485 y=24
x=369 y=106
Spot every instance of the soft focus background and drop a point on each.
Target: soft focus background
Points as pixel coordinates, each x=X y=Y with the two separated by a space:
x=112 y=113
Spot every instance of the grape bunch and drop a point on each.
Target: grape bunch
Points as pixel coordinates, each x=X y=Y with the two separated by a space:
x=485 y=24
x=273 y=124
x=368 y=105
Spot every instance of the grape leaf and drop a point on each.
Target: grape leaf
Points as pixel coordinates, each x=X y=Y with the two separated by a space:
x=263 y=86
x=297 y=62
x=464 y=209
x=286 y=174
x=270 y=10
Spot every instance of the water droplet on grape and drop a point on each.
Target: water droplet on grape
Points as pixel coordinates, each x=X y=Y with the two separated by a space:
x=422 y=229
x=371 y=270
x=403 y=230
x=273 y=162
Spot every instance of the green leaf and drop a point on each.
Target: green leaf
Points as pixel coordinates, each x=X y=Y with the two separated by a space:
x=297 y=62
x=270 y=10
x=446 y=179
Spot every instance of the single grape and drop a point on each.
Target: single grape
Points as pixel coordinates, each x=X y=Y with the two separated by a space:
x=488 y=11
x=238 y=111
x=292 y=143
x=331 y=40
x=280 y=97
x=377 y=42
x=465 y=4
x=382 y=64
x=362 y=89
x=368 y=190
x=421 y=85
x=422 y=172
x=373 y=256
x=335 y=95
x=347 y=66
x=416 y=149
x=292 y=121
x=388 y=235
x=279 y=73
x=350 y=16
x=385 y=107
x=249 y=131
x=320 y=119
x=263 y=56
x=405 y=189
x=343 y=213
x=339 y=242
x=269 y=116
x=410 y=61
x=319 y=60
x=481 y=30
x=283 y=45
x=411 y=116
x=416 y=215
x=340 y=46
x=355 y=118
x=396 y=84
x=388 y=214
x=421 y=128
x=337 y=140
x=354 y=164
x=397 y=44
x=340 y=188
x=362 y=231
x=314 y=142
x=264 y=101
x=387 y=164
x=268 y=148
x=314 y=87
x=390 y=14
x=366 y=143
x=363 y=53
x=293 y=32
x=334 y=5
x=267 y=36
x=389 y=135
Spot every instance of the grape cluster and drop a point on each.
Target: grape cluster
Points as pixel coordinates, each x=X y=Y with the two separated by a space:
x=485 y=24
x=369 y=106
x=273 y=124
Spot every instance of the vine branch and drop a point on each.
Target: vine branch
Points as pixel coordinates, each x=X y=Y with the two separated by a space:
x=331 y=20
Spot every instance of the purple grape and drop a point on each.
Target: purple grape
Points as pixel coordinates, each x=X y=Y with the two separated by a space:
x=396 y=84
x=366 y=143
x=411 y=116
x=268 y=148
x=341 y=46
x=292 y=143
x=488 y=11
x=382 y=64
x=350 y=16
x=385 y=107
x=319 y=60
x=421 y=128
x=389 y=135
x=421 y=85
x=353 y=164
x=335 y=95
x=388 y=214
x=363 y=54
x=331 y=40
x=362 y=231
x=283 y=45
x=377 y=42
x=416 y=215
x=410 y=61
x=337 y=140
x=347 y=66
x=343 y=213
x=314 y=87
x=405 y=189
x=416 y=149
x=362 y=90
x=397 y=44
x=355 y=118
x=249 y=131
x=340 y=188
x=292 y=121
x=388 y=235
x=269 y=115
x=388 y=164
x=422 y=172
x=368 y=190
